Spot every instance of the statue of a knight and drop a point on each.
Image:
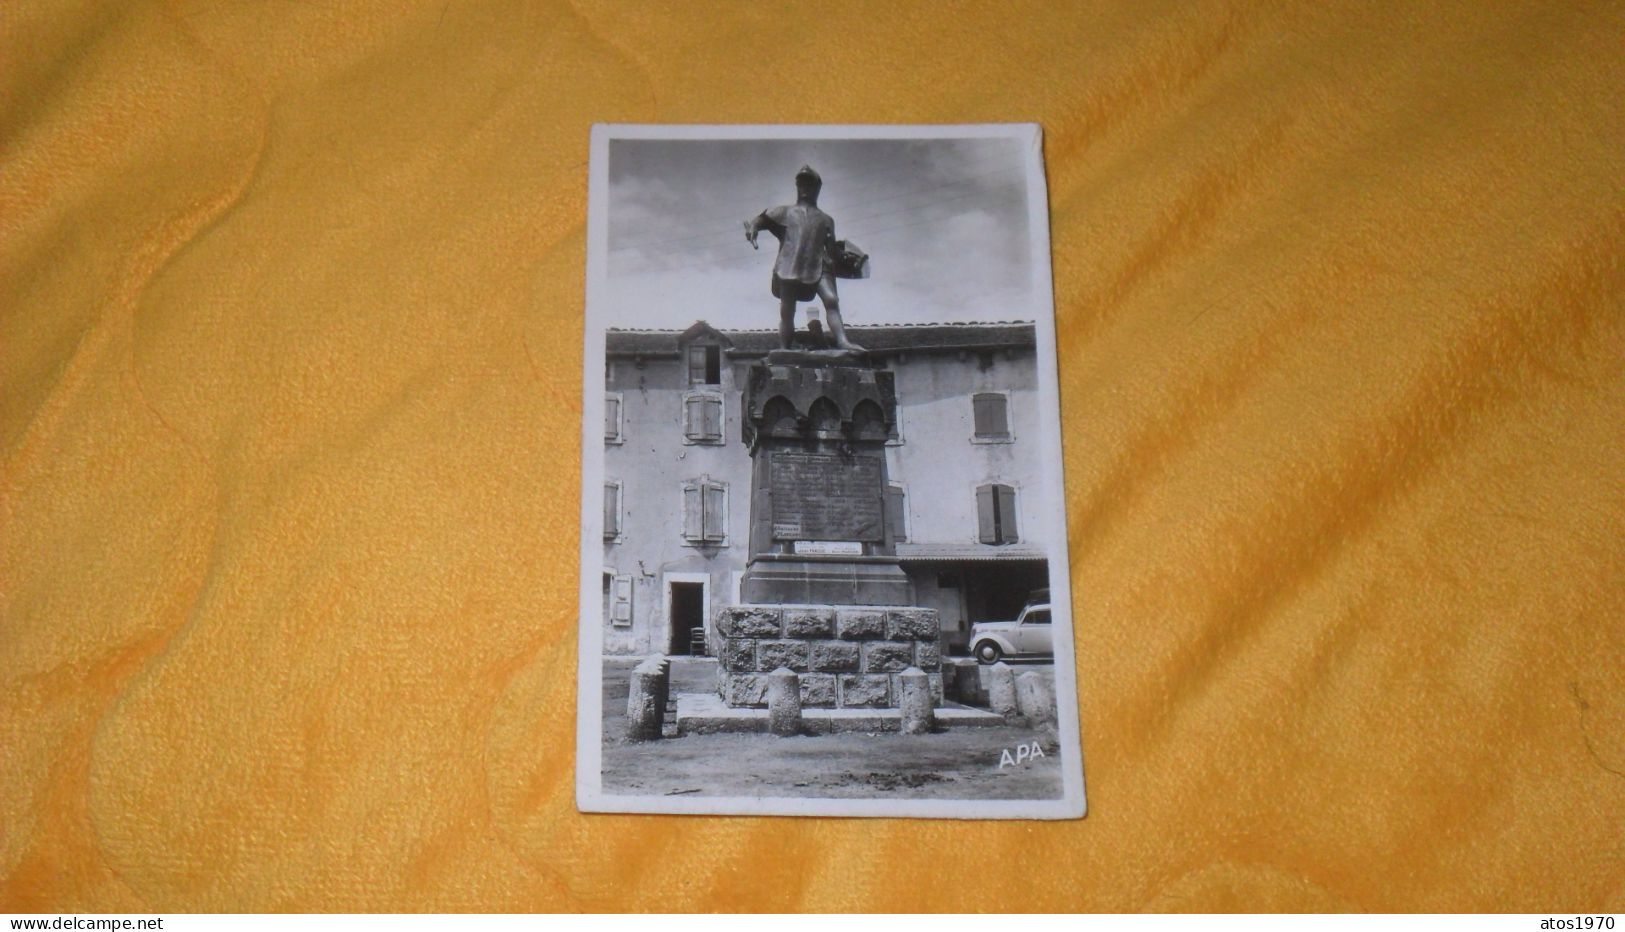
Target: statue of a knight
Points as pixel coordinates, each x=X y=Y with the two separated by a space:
x=810 y=259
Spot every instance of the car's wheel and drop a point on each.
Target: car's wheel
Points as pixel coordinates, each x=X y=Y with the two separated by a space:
x=988 y=652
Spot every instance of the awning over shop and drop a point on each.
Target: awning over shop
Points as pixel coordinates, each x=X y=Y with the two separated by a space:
x=955 y=553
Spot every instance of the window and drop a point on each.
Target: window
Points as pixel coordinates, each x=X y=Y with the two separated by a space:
x=612 y=418
x=897 y=512
x=996 y=514
x=618 y=598
x=702 y=417
x=992 y=417
x=1040 y=617
x=612 y=511
x=704 y=365
x=705 y=511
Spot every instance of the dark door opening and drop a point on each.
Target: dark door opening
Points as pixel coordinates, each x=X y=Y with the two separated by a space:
x=688 y=618
x=997 y=592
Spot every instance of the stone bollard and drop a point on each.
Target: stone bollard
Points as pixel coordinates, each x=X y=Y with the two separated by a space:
x=1001 y=689
x=915 y=702
x=784 y=702
x=646 y=698
x=1035 y=698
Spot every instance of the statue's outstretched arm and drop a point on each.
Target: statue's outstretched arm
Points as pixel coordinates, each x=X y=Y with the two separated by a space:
x=770 y=220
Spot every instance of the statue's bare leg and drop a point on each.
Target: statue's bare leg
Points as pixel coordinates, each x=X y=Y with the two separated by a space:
x=832 y=314
x=787 y=319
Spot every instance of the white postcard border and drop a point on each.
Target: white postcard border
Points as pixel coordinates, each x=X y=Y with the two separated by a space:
x=589 y=705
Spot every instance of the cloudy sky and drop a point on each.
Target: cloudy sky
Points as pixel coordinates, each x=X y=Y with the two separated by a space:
x=944 y=222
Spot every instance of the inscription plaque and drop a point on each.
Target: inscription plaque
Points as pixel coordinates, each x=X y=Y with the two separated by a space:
x=845 y=548
x=825 y=496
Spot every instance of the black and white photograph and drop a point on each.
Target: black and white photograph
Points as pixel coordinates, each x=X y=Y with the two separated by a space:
x=823 y=559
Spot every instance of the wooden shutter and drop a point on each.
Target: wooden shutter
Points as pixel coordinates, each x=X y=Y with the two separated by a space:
x=895 y=507
x=620 y=602
x=1007 y=514
x=612 y=418
x=716 y=511
x=991 y=415
x=711 y=418
x=693 y=513
x=702 y=418
x=986 y=521
x=612 y=511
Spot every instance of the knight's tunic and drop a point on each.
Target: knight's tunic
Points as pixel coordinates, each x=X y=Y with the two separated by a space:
x=806 y=239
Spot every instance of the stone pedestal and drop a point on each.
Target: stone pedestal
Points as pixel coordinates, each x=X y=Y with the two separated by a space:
x=846 y=656
x=823 y=596
x=776 y=578
x=816 y=425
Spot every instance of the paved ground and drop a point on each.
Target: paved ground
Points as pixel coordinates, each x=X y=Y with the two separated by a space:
x=956 y=764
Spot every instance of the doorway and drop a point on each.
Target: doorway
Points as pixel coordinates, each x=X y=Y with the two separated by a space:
x=685 y=603
x=998 y=591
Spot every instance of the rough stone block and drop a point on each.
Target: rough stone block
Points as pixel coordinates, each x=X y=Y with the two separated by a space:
x=818 y=689
x=833 y=657
x=914 y=702
x=750 y=621
x=745 y=689
x=738 y=655
x=1035 y=698
x=933 y=682
x=809 y=623
x=784 y=702
x=854 y=624
x=859 y=691
x=911 y=624
x=928 y=656
x=770 y=655
x=646 y=698
x=887 y=656
x=1001 y=689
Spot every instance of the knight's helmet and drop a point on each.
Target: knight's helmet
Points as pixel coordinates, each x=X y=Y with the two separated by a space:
x=808 y=180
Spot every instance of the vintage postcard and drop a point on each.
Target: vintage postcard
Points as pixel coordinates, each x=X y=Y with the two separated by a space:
x=823 y=552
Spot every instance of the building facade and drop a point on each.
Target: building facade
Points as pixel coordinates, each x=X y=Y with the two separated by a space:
x=965 y=473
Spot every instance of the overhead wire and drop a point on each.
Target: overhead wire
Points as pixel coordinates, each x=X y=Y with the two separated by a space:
x=846 y=227
x=848 y=201
x=928 y=197
x=851 y=190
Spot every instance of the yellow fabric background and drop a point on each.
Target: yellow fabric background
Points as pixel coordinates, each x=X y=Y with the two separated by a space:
x=290 y=321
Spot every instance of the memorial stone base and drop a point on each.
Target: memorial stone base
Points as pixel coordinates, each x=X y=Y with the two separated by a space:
x=847 y=656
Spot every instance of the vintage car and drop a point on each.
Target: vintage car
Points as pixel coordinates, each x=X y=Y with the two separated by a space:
x=1026 y=637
